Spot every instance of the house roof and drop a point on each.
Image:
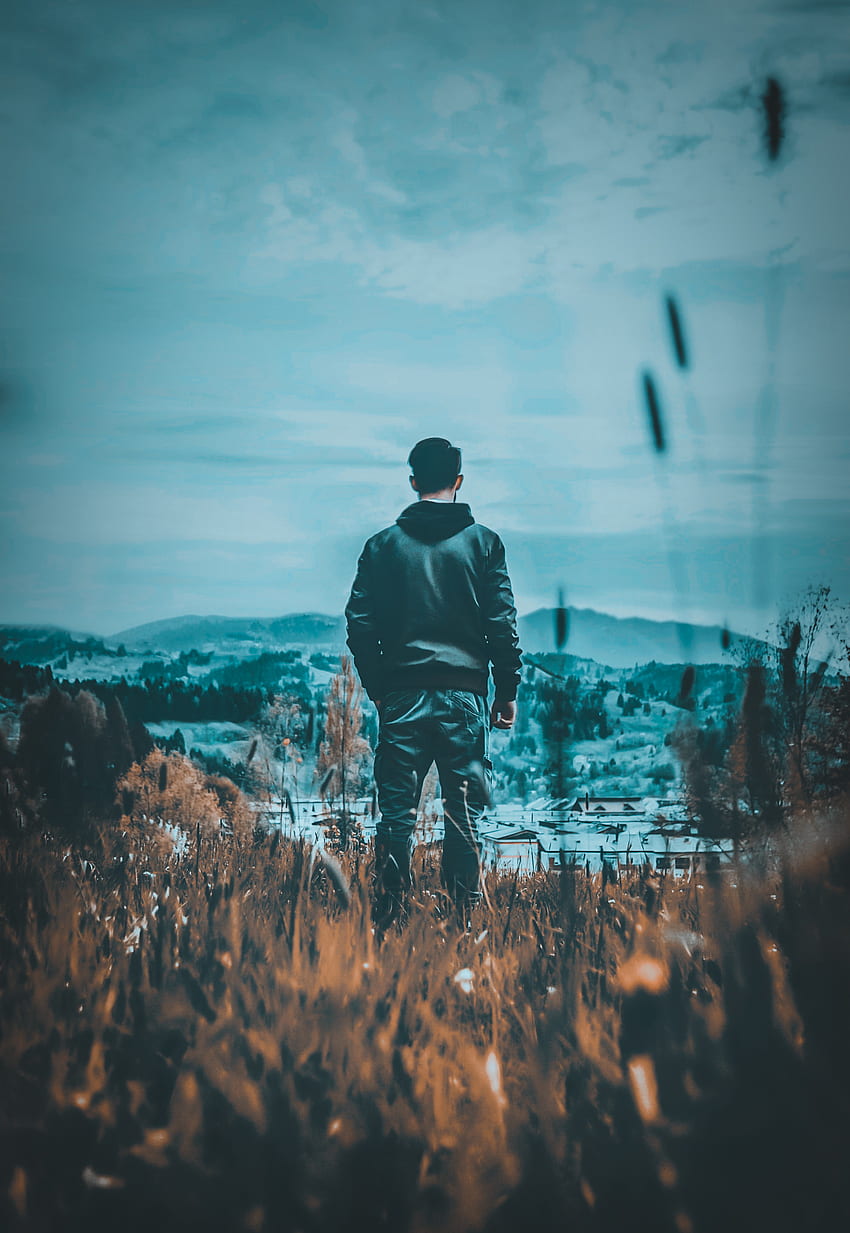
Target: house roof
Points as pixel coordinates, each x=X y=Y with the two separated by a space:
x=515 y=836
x=606 y=804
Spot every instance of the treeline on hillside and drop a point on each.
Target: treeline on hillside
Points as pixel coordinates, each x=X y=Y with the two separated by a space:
x=557 y=701
x=173 y=669
x=18 y=681
x=577 y=705
x=39 y=646
x=715 y=683
x=271 y=668
x=156 y=700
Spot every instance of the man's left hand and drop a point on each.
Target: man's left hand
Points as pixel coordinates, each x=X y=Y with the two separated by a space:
x=503 y=714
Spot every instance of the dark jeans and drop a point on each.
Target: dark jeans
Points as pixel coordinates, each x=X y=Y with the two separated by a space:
x=418 y=727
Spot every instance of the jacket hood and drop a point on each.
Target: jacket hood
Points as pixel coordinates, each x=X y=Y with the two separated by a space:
x=431 y=521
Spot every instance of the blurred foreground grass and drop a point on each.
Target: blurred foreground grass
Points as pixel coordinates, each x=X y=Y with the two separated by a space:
x=214 y=1040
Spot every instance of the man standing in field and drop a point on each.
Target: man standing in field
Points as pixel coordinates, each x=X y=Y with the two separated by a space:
x=430 y=609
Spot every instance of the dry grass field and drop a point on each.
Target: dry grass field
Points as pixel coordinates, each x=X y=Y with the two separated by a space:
x=215 y=1039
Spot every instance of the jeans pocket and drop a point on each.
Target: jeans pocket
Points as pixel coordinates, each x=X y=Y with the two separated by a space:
x=469 y=703
x=397 y=703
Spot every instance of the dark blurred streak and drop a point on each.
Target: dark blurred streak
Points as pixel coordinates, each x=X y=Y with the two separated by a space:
x=725 y=639
x=686 y=688
x=685 y=629
x=788 y=660
x=774 y=107
x=677 y=332
x=653 y=408
x=774 y=114
x=562 y=623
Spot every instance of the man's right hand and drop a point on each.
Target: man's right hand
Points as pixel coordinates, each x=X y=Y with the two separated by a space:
x=502 y=714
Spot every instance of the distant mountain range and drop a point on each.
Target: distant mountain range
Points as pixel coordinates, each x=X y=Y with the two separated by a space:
x=622 y=642
x=616 y=642
x=204 y=633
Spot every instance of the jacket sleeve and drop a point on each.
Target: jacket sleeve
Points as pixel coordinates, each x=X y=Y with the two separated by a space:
x=361 y=624
x=500 y=624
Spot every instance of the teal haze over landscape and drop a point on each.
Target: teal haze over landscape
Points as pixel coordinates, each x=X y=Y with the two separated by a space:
x=251 y=253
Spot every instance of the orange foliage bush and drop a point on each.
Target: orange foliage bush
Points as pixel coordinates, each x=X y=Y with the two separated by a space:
x=168 y=789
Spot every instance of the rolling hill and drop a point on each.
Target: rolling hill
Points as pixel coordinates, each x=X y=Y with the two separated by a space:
x=617 y=642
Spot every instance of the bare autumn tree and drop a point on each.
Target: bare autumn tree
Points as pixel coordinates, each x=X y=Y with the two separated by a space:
x=283 y=727
x=344 y=751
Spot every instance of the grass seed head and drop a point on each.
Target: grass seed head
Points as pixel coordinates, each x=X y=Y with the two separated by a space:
x=677 y=332
x=653 y=409
x=774 y=109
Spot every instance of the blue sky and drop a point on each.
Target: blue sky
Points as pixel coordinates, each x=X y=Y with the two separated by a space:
x=251 y=253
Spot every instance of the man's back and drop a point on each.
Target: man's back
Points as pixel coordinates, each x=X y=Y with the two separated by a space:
x=431 y=605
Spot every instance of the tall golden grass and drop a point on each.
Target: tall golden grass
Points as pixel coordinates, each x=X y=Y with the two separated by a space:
x=216 y=1039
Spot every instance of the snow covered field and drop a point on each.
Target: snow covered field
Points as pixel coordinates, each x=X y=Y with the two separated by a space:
x=231 y=740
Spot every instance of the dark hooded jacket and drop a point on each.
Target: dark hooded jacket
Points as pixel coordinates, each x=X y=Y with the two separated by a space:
x=431 y=606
